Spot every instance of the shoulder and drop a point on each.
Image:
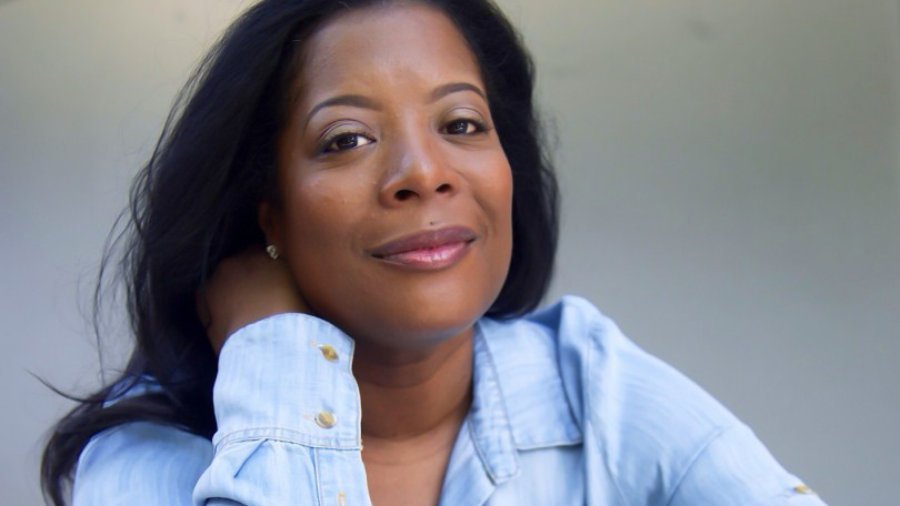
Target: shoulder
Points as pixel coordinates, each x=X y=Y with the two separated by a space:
x=608 y=378
x=645 y=421
x=139 y=461
x=614 y=378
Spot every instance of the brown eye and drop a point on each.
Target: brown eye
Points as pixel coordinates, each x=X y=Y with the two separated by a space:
x=343 y=142
x=463 y=127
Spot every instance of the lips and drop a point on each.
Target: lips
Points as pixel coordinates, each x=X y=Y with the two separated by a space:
x=432 y=249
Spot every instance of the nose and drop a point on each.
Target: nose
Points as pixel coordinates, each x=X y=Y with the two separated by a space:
x=418 y=170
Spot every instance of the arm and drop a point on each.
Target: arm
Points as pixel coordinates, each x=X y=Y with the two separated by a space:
x=272 y=447
x=286 y=406
x=288 y=419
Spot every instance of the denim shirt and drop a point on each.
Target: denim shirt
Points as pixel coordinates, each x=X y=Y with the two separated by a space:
x=566 y=411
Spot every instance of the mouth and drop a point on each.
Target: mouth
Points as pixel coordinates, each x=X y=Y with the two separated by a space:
x=430 y=250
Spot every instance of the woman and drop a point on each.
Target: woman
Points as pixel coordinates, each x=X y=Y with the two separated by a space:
x=342 y=230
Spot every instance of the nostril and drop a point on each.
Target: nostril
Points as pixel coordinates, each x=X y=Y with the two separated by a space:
x=444 y=188
x=402 y=195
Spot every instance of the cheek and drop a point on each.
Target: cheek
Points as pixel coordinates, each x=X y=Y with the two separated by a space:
x=310 y=222
x=496 y=196
x=322 y=206
x=320 y=226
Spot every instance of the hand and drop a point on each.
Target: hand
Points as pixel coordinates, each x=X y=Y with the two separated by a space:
x=243 y=289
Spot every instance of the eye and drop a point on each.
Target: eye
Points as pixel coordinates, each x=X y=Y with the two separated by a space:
x=344 y=142
x=464 y=127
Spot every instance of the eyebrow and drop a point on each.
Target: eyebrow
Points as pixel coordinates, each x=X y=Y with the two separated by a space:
x=351 y=100
x=446 y=89
x=367 y=103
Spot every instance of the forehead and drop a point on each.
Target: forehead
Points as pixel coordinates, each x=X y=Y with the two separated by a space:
x=402 y=44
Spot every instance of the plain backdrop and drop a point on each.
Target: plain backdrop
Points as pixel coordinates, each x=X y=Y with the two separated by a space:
x=731 y=182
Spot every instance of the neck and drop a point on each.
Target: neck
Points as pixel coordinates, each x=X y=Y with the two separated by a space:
x=407 y=395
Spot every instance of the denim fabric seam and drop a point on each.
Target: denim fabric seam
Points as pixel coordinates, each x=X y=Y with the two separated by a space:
x=716 y=434
x=484 y=461
x=317 y=468
x=595 y=333
x=499 y=386
x=287 y=436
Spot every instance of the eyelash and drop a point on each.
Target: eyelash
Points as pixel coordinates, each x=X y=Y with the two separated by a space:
x=479 y=126
x=328 y=144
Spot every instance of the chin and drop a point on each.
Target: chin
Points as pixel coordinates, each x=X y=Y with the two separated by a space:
x=411 y=319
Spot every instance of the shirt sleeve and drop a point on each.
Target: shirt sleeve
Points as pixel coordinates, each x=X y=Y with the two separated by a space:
x=288 y=414
x=736 y=469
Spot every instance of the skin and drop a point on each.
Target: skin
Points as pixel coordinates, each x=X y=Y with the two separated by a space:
x=414 y=151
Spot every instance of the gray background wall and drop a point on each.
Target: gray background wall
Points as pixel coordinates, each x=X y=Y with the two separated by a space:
x=731 y=173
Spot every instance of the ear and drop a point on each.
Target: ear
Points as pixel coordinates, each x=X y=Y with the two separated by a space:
x=270 y=223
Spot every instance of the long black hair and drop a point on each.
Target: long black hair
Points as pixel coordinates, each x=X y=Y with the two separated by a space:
x=195 y=203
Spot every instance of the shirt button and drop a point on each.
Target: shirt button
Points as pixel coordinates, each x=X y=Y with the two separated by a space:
x=803 y=489
x=325 y=419
x=328 y=352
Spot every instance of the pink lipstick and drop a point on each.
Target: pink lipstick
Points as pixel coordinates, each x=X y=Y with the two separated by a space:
x=429 y=250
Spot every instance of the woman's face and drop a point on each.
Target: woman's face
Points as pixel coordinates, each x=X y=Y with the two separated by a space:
x=396 y=196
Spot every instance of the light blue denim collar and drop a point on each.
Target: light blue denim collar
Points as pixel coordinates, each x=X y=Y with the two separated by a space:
x=519 y=402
